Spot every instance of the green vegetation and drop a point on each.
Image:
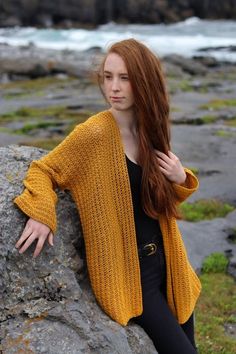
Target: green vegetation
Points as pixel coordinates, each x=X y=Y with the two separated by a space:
x=215 y=263
x=194 y=170
x=33 y=119
x=225 y=134
x=231 y=122
x=214 y=311
x=208 y=119
x=185 y=85
x=59 y=112
x=204 y=209
x=47 y=144
x=219 y=104
x=12 y=95
x=43 y=86
x=38 y=125
x=35 y=87
x=175 y=109
x=38 y=84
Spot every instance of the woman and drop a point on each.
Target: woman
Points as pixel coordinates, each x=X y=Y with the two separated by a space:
x=126 y=184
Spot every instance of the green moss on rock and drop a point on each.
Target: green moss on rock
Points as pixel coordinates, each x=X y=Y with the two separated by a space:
x=205 y=209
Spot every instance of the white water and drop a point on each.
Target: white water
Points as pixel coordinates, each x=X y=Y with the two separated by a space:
x=184 y=38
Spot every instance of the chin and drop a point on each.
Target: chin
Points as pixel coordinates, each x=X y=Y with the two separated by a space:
x=120 y=107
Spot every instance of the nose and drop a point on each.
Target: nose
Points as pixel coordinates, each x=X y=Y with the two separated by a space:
x=115 y=85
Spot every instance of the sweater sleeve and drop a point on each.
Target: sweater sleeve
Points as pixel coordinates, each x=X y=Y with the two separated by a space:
x=190 y=185
x=53 y=170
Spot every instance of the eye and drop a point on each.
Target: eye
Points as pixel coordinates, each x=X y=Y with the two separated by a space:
x=125 y=78
x=107 y=76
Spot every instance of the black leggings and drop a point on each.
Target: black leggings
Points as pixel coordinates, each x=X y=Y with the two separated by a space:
x=168 y=336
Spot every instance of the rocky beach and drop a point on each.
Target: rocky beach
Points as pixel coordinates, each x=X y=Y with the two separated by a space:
x=43 y=95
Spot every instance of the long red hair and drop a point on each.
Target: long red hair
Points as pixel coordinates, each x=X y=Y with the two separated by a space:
x=151 y=105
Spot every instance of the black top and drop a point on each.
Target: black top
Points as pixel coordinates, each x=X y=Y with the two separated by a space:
x=146 y=227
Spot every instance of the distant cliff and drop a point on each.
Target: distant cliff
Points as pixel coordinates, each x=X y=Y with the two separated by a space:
x=69 y=13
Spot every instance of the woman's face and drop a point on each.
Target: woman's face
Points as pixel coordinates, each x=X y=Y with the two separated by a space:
x=116 y=85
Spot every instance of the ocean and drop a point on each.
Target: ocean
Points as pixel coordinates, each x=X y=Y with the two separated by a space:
x=186 y=38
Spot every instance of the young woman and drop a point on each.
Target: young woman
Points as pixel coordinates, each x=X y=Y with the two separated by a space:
x=126 y=184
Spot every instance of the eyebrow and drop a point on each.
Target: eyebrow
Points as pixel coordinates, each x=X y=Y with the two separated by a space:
x=108 y=72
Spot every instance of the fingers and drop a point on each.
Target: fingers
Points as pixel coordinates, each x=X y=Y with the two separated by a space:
x=167 y=158
x=34 y=230
x=39 y=246
x=50 y=239
x=167 y=162
x=27 y=243
x=25 y=234
x=171 y=166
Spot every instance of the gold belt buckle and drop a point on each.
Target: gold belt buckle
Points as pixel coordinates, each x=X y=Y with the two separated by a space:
x=153 y=248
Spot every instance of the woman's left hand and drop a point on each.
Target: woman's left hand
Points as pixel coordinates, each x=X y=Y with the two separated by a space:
x=171 y=167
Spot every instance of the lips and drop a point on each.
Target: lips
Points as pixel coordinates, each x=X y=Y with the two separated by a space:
x=116 y=98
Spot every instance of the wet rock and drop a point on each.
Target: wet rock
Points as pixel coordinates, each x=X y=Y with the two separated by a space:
x=210 y=62
x=34 y=62
x=189 y=66
x=230 y=48
x=46 y=304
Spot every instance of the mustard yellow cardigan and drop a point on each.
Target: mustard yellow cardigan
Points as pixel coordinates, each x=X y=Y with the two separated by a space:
x=91 y=163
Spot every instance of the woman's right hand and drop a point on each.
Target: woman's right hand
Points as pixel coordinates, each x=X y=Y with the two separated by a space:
x=34 y=230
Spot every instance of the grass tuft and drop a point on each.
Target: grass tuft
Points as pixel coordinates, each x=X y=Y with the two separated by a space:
x=204 y=209
x=219 y=104
x=225 y=134
x=231 y=122
x=215 y=263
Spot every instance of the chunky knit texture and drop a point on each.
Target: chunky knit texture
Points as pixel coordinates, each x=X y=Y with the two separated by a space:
x=91 y=163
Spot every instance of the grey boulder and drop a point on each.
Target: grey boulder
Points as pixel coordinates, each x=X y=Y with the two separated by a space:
x=46 y=304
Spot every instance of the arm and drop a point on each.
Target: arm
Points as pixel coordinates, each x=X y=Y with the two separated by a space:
x=38 y=200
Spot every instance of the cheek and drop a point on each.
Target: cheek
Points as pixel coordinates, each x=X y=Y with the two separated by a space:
x=106 y=86
x=105 y=89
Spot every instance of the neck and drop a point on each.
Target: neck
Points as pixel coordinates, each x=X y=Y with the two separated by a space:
x=125 y=120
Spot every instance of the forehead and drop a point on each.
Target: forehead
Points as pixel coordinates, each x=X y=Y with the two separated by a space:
x=114 y=62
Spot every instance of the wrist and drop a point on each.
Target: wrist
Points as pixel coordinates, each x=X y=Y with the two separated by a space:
x=182 y=179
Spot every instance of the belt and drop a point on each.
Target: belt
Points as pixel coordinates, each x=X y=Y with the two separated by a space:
x=147 y=250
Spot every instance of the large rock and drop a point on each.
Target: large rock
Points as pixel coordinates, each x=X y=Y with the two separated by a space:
x=46 y=304
x=36 y=62
x=189 y=66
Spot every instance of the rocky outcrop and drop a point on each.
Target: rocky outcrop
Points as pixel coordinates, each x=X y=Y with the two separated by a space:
x=46 y=304
x=214 y=9
x=33 y=62
x=71 y=12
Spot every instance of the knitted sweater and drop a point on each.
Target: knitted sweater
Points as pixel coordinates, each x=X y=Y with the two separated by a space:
x=91 y=163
